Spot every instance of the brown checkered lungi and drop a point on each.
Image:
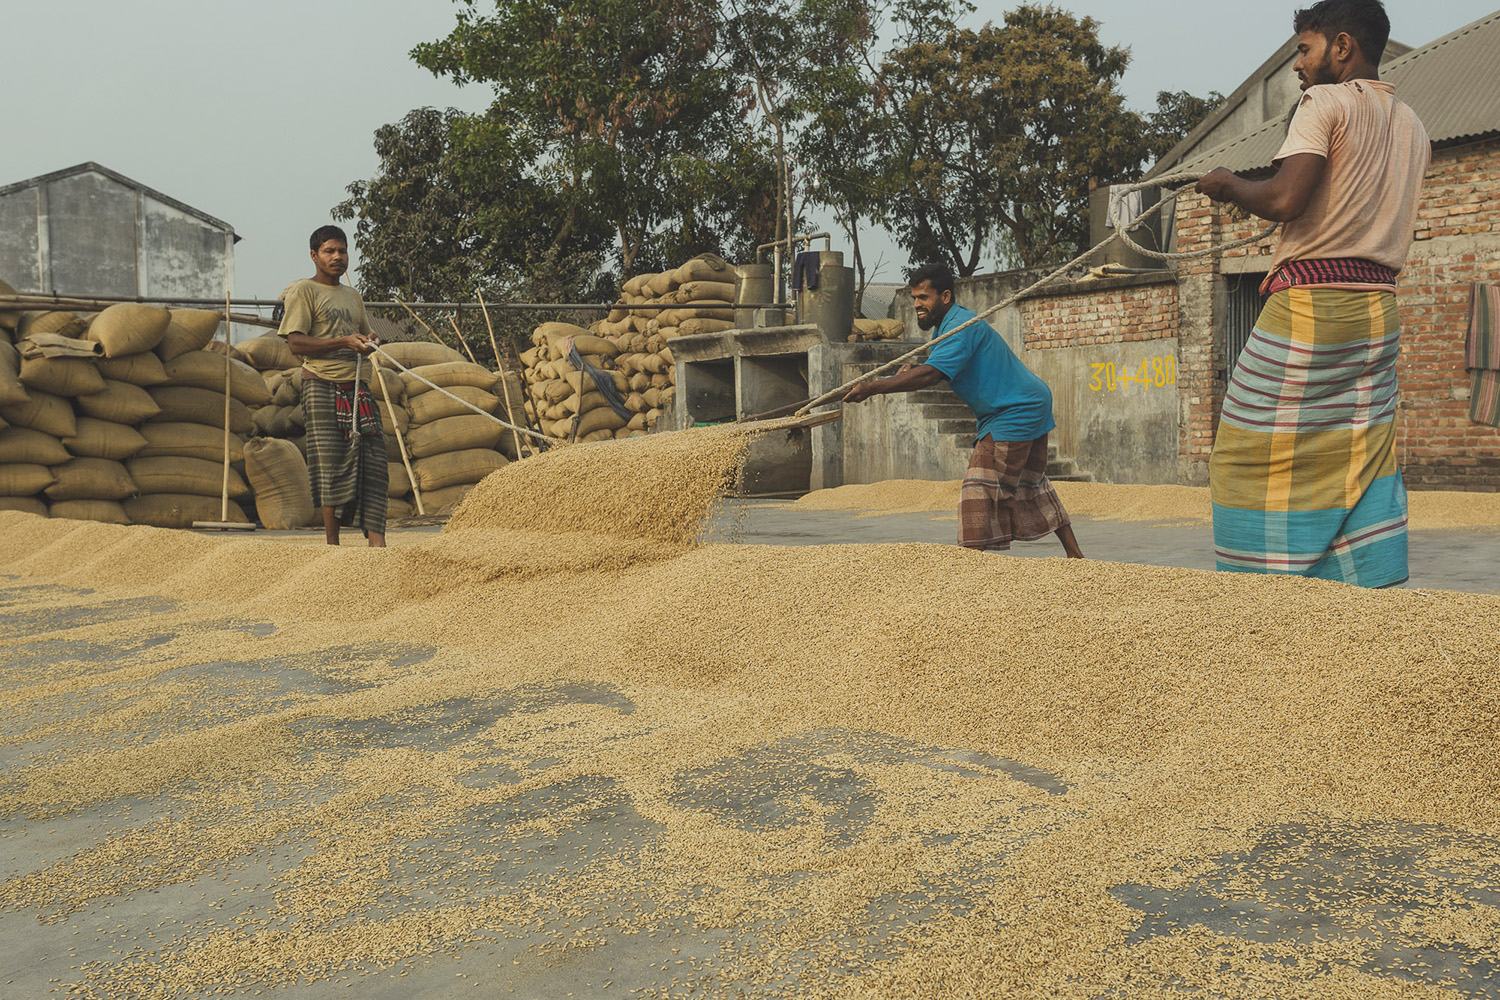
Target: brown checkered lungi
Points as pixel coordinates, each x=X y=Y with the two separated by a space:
x=1006 y=495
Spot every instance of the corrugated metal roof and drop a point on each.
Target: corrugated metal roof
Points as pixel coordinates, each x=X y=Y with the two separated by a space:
x=1452 y=84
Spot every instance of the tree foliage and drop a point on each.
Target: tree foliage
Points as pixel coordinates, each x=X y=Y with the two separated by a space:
x=999 y=131
x=632 y=134
x=1177 y=113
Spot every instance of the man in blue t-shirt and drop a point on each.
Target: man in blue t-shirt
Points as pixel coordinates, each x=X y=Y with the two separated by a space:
x=1006 y=494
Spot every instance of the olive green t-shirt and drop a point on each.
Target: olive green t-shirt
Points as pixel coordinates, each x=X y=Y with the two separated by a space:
x=326 y=312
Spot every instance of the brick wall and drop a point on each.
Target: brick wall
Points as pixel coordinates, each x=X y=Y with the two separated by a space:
x=1106 y=315
x=1457 y=241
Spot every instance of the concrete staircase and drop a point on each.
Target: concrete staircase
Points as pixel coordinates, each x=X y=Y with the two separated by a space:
x=954 y=422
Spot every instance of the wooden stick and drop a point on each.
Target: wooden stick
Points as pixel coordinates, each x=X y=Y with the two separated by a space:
x=504 y=386
x=452 y=318
x=52 y=302
x=400 y=441
x=228 y=381
x=419 y=319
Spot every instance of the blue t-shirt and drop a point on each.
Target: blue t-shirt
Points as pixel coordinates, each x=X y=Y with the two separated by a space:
x=1010 y=403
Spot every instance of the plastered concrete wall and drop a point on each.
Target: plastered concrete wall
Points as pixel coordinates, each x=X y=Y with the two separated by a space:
x=1080 y=340
x=18 y=240
x=890 y=437
x=89 y=234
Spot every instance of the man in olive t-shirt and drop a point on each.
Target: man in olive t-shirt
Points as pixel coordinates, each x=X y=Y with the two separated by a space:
x=324 y=324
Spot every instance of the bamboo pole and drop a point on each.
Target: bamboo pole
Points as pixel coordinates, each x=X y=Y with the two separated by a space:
x=400 y=441
x=452 y=318
x=26 y=302
x=228 y=382
x=419 y=319
x=510 y=414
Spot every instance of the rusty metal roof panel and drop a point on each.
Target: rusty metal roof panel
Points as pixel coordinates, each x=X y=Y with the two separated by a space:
x=1452 y=84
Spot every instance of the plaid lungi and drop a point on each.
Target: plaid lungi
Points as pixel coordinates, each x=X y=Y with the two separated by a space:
x=1482 y=354
x=347 y=470
x=1006 y=496
x=1303 y=476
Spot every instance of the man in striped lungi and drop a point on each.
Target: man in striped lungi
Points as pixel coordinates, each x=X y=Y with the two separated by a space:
x=324 y=323
x=1006 y=495
x=1303 y=475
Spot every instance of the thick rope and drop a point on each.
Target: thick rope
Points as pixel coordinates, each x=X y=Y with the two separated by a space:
x=1121 y=233
x=445 y=392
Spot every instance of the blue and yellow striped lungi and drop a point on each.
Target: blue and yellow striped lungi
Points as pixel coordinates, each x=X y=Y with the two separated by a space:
x=1303 y=476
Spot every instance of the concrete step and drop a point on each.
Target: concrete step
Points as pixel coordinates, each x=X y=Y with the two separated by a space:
x=957 y=427
x=1061 y=467
x=934 y=394
x=947 y=411
x=1079 y=477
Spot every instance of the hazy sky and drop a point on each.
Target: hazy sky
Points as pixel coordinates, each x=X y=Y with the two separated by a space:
x=261 y=113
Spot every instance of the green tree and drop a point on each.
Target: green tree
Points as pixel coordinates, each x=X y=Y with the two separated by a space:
x=994 y=134
x=626 y=103
x=1177 y=113
x=458 y=207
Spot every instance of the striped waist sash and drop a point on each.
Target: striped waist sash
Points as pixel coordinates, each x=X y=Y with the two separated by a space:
x=1331 y=271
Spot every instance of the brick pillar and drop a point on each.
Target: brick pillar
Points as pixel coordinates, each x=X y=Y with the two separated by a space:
x=1200 y=390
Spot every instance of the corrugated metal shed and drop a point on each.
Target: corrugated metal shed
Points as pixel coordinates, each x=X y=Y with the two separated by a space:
x=88 y=230
x=1452 y=84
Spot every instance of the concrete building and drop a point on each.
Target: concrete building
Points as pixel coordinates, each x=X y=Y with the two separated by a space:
x=88 y=230
x=1138 y=364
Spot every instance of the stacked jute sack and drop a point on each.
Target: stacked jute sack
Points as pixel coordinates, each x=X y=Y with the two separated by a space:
x=634 y=344
x=877 y=329
x=124 y=421
x=450 y=446
x=567 y=400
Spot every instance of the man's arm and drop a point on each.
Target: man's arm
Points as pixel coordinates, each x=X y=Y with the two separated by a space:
x=908 y=380
x=304 y=346
x=1282 y=197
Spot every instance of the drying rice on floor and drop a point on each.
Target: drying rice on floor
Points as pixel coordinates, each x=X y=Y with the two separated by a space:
x=1430 y=511
x=563 y=739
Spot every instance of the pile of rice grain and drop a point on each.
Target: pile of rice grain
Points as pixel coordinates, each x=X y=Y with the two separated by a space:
x=770 y=768
x=658 y=487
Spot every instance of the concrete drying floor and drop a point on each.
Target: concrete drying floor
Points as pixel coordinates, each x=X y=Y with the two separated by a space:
x=1466 y=560
x=1301 y=882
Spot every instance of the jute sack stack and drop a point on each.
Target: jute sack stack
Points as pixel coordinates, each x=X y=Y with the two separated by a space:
x=143 y=370
x=95 y=438
x=452 y=447
x=61 y=376
x=417 y=353
x=187 y=330
x=41 y=321
x=11 y=389
x=277 y=475
x=566 y=401
x=179 y=510
x=180 y=475
x=91 y=479
x=877 y=329
x=44 y=412
x=205 y=370
x=698 y=298
x=128 y=328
